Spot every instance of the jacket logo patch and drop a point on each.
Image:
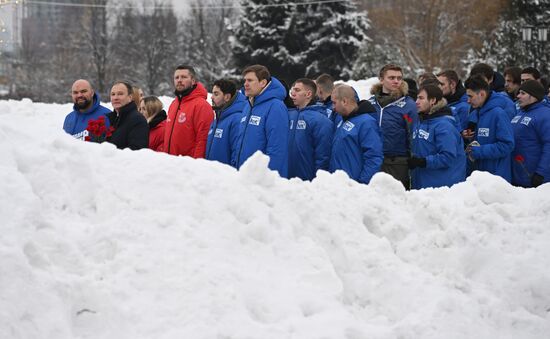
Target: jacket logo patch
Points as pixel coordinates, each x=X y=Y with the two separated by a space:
x=329 y=112
x=182 y=117
x=401 y=103
x=516 y=119
x=243 y=119
x=372 y=100
x=483 y=132
x=423 y=134
x=301 y=124
x=218 y=133
x=526 y=121
x=348 y=126
x=339 y=124
x=255 y=120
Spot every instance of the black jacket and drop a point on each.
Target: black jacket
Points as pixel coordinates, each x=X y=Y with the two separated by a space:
x=131 y=128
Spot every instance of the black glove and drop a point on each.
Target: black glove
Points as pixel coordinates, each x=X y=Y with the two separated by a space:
x=416 y=162
x=536 y=180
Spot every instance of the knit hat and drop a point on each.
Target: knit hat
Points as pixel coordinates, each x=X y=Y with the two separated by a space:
x=533 y=88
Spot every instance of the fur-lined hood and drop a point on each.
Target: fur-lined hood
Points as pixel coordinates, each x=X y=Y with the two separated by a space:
x=401 y=92
x=438 y=110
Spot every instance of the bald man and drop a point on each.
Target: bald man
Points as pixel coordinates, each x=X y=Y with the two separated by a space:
x=357 y=145
x=86 y=107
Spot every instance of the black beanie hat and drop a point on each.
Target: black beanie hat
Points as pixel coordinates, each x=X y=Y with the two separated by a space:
x=533 y=88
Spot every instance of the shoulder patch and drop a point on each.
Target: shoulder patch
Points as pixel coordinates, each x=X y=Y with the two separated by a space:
x=516 y=119
x=483 y=132
x=348 y=126
x=218 y=133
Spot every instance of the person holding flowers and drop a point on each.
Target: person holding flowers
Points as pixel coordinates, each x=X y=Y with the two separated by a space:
x=531 y=155
x=130 y=127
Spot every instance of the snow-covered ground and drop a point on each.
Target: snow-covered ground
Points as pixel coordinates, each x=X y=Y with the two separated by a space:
x=101 y=243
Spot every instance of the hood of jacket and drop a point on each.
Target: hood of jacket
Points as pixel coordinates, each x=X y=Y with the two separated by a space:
x=457 y=96
x=197 y=92
x=235 y=106
x=273 y=90
x=157 y=119
x=402 y=91
x=438 y=110
x=95 y=105
x=364 y=107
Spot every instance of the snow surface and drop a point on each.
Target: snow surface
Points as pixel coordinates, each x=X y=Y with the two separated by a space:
x=102 y=243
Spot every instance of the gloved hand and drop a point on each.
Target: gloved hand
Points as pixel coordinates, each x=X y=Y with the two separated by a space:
x=415 y=162
x=536 y=180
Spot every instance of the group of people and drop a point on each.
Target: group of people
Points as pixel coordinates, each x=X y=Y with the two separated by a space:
x=431 y=136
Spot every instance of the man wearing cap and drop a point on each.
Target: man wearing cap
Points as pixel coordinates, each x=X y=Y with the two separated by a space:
x=531 y=155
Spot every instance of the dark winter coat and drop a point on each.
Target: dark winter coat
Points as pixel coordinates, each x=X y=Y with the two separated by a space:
x=76 y=122
x=310 y=141
x=357 y=145
x=264 y=127
x=392 y=119
x=532 y=150
x=157 y=127
x=493 y=131
x=131 y=129
x=436 y=139
x=224 y=132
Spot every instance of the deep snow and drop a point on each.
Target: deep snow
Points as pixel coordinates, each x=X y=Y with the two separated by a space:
x=102 y=243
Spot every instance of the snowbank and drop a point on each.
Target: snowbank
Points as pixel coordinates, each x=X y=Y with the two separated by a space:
x=102 y=243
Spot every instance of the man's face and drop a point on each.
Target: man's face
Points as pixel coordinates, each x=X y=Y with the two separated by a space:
x=526 y=76
x=300 y=95
x=423 y=104
x=82 y=94
x=476 y=100
x=120 y=96
x=391 y=81
x=183 y=80
x=447 y=87
x=218 y=97
x=525 y=99
x=338 y=105
x=253 y=86
x=509 y=84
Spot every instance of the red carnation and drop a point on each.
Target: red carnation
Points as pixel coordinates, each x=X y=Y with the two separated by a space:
x=97 y=131
x=408 y=118
x=519 y=158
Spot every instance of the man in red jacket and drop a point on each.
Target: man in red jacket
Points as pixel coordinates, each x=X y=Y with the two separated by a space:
x=189 y=116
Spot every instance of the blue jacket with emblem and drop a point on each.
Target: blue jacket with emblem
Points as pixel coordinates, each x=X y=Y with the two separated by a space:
x=264 y=127
x=396 y=133
x=505 y=103
x=310 y=141
x=493 y=131
x=532 y=151
x=327 y=109
x=458 y=102
x=76 y=122
x=223 y=135
x=357 y=145
x=436 y=139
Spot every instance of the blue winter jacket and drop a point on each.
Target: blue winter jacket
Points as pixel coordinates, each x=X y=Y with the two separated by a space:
x=396 y=133
x=310 y=141
x=494 y=133
x=436 y=139
x=505 y=103
x=224 y=132
x=76 y=122
x=264 y=127
x=357 y=146
x=532 y=151
x=461 y=109
x=327 y=109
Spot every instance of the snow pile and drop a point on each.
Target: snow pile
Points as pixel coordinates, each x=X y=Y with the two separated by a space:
x=102 y=243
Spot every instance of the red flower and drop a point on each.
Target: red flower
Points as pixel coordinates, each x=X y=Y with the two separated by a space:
x=97 y=131
x=407 y=118
x=88 y=138
x=519 y=158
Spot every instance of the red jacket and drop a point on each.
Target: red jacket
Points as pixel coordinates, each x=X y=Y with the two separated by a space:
x=157 y=126
x=188 y=123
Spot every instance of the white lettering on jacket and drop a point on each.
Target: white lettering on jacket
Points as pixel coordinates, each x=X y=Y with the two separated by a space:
x=516 y=119
x=483 y=132
x=348 y=126
x=255 y=120
x=301 y=124
x=81 y=135
x=423 y=134
x=218 y=133
x=526 y=121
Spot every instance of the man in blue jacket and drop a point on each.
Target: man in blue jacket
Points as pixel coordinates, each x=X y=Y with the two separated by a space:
x=531 y=156
x=357 y=145
x=310 y=136
x=438 y=157
x=502 y=99
x=228 y=104
x=489 y=134
x=86 y=107
x=264 y=120
x=395 y=113
x=325 y=85
x=456 y=97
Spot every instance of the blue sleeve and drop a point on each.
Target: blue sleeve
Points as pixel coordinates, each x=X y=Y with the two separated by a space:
x=234 y=139
x=543 y=130
x=66 y=123
x=510 y=109
x=371 y=147
x=504 y=143
x=277 y=138
x=322 y=142
x=445 y=144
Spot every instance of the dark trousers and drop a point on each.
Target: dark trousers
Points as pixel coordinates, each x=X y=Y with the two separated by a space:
x=398 y=168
